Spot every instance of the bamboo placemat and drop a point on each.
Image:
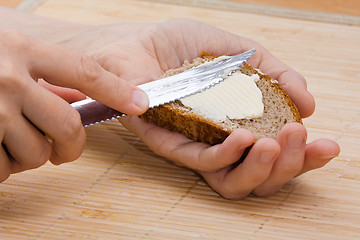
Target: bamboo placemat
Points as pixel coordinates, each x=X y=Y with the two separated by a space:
x=239 y=6
x=118 y=189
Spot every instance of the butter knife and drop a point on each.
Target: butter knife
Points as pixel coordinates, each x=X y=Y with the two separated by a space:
x=168 y=89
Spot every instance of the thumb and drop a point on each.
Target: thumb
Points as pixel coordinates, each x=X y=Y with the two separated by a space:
x=84 y=74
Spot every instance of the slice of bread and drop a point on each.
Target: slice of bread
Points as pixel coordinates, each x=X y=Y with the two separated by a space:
x=278 y=110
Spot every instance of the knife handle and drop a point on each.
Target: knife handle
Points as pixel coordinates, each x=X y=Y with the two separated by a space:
x=93 y=112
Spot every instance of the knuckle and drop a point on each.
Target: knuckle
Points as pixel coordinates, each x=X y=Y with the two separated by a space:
x=4 y=175
x=231 y=195
x=12 y=74
x=103 y=58
x=7 y=113
x=14 y=38
x=4 y=115
x=5 y=172
x=72 y=126
x=256 y=178
x=266 y=192
x=290 y=169
x=229 y=192
x=203 y=167
x=88 y=71
x=5 y=165
x=70 y=141
x=44 y=156
x=11 y=78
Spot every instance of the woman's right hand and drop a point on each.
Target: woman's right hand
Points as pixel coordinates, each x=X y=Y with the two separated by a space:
x=30 y=115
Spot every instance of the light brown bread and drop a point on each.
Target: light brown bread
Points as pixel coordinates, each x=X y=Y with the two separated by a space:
x=278 y=110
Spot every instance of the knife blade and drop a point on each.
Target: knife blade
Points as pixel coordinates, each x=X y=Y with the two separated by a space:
x=168 y=89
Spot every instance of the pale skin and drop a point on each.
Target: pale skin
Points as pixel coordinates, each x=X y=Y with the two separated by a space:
x=106 y=63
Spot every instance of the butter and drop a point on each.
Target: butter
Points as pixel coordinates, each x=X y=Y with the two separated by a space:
x=237 y=97
x=218 y=59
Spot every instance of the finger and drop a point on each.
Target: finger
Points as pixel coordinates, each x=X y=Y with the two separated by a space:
x=156 y=138
x=195 y=155
x=237 y=183
x=291 y=81
x=63 y=68
x=68 y=94
x=218 y=42
x=5 y=165
x=319 y=153
x=206 y=158
x=57 y=119
x=27 y=146
x=292 y=139
x=221 y=155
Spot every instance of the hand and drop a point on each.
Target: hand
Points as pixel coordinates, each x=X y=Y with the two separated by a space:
x=28 y=112
x=142 y=52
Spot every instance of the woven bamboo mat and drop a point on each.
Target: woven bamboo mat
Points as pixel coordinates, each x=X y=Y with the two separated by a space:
x=118 y=189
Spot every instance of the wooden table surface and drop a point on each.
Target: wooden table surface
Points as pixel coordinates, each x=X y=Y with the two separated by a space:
x=118 y=189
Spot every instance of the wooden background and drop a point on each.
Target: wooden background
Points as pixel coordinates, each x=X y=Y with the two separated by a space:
x=118 y=189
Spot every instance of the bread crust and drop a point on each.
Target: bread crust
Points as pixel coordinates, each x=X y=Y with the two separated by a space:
x=176 y=117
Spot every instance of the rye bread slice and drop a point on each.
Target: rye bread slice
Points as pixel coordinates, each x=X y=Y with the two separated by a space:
x=278 y=110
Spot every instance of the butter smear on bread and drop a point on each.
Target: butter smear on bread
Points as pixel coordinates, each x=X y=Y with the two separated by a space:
x=237 y=97
x=248 y=99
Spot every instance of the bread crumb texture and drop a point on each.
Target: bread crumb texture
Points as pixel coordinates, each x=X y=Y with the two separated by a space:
x=278 y=110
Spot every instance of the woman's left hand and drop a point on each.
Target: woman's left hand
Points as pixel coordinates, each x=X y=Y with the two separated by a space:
x=139 y=53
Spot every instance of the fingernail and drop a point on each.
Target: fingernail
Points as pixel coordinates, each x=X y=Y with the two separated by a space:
x=296 y=140
x=140 y=99
x=266 y=157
